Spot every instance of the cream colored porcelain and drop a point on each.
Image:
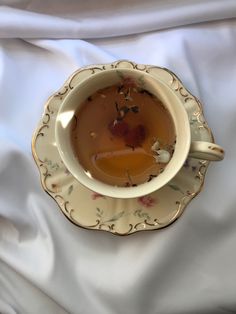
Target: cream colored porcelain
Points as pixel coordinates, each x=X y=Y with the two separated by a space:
x=110 y=75
x=93 y=210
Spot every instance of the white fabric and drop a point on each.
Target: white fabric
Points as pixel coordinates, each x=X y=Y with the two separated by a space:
x=96 y=19
x=48 y=265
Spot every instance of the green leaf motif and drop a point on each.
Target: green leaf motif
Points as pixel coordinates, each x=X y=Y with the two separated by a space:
x=99 y=212
x=175 y=187
x=141 y=81
x=51 y=165
x=193 y=120
x=116 y=217
x=120 y=74
x=70 y=189
x=55 y=166
x=139 y=213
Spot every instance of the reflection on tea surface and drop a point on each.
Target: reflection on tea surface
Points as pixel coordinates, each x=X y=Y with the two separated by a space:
x=124 y=135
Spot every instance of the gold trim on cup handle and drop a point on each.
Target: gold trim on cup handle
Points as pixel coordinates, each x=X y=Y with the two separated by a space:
x=206 y=150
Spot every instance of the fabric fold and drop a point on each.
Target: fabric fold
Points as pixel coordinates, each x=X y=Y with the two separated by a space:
x=49 y=265
x=73 y=19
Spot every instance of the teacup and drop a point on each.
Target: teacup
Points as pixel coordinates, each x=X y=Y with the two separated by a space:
x=109 y=76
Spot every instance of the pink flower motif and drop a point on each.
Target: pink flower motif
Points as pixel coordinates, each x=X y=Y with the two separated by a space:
x=129 y=82
x=96 y=195
x=147 y=201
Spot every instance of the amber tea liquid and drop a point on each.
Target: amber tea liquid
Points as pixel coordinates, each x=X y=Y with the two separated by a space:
x=120 y=133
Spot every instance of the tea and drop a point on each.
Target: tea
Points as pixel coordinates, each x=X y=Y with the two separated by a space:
x=124 y=135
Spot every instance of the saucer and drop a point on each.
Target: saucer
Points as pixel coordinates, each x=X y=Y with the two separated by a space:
x=90 y=210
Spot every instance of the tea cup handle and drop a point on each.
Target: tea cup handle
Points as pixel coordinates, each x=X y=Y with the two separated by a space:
x=206 y=150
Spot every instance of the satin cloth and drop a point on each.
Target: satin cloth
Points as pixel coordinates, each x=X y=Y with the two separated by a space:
x=48 y=265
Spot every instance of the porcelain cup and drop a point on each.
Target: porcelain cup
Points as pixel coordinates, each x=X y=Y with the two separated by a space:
x=184 y=147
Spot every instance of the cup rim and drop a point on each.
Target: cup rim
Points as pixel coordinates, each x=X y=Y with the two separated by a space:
x=114 y=191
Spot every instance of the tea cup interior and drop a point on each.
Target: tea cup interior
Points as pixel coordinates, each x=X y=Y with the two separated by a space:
x=66 y=119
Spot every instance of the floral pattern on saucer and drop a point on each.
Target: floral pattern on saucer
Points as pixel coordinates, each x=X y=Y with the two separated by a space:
x=119 y=216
